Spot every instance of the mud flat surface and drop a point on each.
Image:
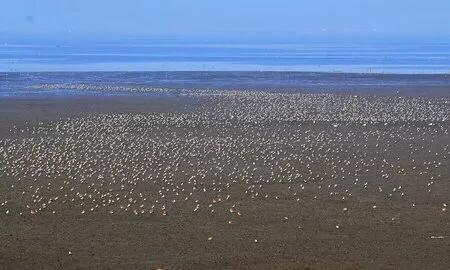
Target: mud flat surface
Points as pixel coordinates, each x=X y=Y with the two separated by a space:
x=225 y=180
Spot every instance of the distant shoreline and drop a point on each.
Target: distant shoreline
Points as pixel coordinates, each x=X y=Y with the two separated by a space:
x=447 y=73
x=29 y=83
x=232 y=71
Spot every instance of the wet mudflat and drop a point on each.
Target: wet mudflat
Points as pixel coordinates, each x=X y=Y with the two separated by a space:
x=214 y=179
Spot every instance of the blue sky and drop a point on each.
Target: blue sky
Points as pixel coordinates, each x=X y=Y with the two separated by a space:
x=233 y=18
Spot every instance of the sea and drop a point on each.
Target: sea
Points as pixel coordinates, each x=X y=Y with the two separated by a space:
x=168 y=63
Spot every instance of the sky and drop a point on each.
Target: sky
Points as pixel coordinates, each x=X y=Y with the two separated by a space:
x=230 y=18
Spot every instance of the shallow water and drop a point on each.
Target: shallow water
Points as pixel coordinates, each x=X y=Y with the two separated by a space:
x=20 y=84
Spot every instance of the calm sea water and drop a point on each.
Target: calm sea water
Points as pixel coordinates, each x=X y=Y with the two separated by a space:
x=362 y=56
x=253 y=65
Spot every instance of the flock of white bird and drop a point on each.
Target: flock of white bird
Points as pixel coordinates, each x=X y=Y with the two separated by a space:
x=237 y=146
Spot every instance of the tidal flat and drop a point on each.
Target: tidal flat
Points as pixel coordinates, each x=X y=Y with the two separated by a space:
x=202 y=178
